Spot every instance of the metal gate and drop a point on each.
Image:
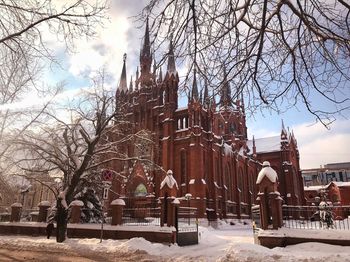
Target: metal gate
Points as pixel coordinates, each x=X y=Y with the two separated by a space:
x=186 y=224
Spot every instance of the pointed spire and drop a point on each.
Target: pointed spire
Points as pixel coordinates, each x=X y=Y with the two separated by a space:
x=283 y=128
x=122 y=84
x=254 y=147
x=283 y=132
x=206 y=99
x=225 y=99
x=171 y=59
x=137 y=79
x=146 y=50
x=194 y=96
x=131 y=85
x=242 y=103
x=154 y=67
x=160 y=77
x=213 y=103
x=146 y=59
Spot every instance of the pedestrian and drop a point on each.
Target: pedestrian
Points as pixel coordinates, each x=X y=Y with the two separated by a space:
x=49 y=228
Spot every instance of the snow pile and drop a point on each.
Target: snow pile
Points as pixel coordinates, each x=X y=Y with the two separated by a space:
x=231 y=241
x=310 y=252
x=267 y=171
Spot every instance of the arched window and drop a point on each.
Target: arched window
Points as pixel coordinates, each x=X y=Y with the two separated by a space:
x=140 y=190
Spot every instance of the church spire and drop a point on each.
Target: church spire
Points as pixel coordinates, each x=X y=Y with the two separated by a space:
x=225 y=99
x=122 y=84
x=146 y=49
x=130 y=85
x=146 y=58
x=160 y=76
x=284 y=134
x=171 y=59
x=206 y=99
x=194 y=95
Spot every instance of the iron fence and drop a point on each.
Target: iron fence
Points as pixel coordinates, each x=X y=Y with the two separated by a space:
x=141 y=211
x=316 y=217
x=141 y=216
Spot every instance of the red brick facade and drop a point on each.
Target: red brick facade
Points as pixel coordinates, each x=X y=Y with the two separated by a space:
x=205 y=145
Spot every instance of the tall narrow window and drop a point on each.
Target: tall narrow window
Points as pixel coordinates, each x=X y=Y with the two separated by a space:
x=240 y=184
x=183 y=161
x=228 y=181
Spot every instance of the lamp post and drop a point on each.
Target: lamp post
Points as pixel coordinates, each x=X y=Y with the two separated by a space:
x=188 y=197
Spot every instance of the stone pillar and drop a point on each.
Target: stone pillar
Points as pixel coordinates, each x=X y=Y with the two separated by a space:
x=76 y=206
x=43 y=210
x=269 y=198
x=16 y=209
x=276 y=209
x=264 y=211
x=117 y=207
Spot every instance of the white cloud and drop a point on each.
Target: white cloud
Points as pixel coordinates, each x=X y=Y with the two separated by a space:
x=319 y=146
x=105 y=51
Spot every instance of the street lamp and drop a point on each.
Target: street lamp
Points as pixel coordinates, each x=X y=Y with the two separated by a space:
x=188 y=197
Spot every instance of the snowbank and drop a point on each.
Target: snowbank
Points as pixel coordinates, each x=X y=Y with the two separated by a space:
x=226 y=243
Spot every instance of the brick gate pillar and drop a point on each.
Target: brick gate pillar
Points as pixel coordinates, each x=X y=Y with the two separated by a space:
x=76 y=211
x=269 y=198
x=16 y=209
x=117 y=207
x=43 y=210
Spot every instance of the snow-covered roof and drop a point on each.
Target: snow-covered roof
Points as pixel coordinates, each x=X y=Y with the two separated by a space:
x=341 y=184
x=313 y=188
x=267 y=171
x=169 y=180
x=266 y=144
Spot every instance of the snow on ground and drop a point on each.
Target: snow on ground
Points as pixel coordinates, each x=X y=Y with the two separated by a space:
x=225 y=243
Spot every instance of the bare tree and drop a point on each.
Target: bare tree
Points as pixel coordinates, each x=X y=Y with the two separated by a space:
x=26 y=29
x=78 y=144
x=279 y=53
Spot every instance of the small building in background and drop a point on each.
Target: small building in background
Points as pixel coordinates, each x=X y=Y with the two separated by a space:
x=338 y=172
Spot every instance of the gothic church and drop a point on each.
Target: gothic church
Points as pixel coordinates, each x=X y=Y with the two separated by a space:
x=204 y=144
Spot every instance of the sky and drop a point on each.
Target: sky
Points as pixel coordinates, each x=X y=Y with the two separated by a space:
x=122 y=34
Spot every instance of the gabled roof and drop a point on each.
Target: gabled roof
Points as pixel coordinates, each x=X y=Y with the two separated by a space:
x=266 y=144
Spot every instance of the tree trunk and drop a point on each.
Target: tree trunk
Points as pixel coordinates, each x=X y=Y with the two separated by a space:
x=61 y=218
